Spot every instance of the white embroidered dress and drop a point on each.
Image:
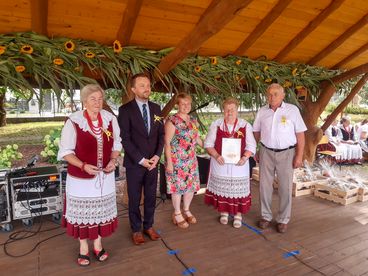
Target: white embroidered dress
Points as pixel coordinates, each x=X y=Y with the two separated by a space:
x=229 y=180
x=89 y=201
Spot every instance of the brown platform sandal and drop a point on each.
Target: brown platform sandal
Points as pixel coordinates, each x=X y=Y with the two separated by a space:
x=181 y=224
x=190 y=219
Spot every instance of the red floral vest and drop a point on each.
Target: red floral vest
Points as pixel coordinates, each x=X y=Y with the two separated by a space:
x=86 y=150
x=222 y=134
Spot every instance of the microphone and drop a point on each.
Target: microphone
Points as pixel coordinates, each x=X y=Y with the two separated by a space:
x=33 y=161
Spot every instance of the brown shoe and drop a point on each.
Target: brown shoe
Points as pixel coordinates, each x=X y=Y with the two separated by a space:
x=152 y=234
x=263 y=224
x=138 y=238
x=190 y=219
x=281 y=227
x=181 y=224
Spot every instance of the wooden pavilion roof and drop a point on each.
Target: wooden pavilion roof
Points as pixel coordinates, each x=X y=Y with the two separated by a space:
x=329 y=33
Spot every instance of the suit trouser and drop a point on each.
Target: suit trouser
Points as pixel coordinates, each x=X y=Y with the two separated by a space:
x=138 y=178
x=281 y=163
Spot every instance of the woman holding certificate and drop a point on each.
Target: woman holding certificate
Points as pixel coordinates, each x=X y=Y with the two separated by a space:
x=230 y=143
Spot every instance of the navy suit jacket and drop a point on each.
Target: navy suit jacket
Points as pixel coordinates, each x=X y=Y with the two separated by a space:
x=137 y=143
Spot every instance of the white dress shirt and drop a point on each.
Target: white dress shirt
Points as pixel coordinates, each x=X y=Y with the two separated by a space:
x=278 y=128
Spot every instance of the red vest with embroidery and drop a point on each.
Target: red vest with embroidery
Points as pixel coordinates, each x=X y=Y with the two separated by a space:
x=87 y=151
x=223 y=134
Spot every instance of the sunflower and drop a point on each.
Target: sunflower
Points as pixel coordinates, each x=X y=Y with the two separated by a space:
x=294 y=71
x=27 y=49
x=2 y=50
x=58 y=61
x=213 y=60
x=265 y=68
x=298 y=87
x=117 y=46
x=257 y=77
x=268 y=80
x=287 y=84
x=238 y=62
x=197 y=68
x=20 y=68
x=69 y=46
x=90 y=55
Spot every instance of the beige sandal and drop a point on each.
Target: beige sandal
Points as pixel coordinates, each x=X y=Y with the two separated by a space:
x=237 y=223
x=224 y=218
x=190 y=219
x=181 y=224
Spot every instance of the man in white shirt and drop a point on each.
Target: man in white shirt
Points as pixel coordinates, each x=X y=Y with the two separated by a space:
x=280 y=129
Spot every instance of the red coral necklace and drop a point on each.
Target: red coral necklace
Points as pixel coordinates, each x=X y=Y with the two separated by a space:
x=95 y=129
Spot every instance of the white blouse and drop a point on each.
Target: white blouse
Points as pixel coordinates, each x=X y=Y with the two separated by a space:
x=68 y=135
x=249 y=138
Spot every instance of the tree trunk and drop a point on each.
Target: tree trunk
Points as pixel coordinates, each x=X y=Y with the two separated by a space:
x=2 y=110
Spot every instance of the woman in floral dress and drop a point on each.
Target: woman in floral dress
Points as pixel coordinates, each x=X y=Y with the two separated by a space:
x=182 y=177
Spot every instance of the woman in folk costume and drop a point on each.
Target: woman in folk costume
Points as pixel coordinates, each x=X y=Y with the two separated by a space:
x=347 y=135
x=228 y=188
x=90 y=143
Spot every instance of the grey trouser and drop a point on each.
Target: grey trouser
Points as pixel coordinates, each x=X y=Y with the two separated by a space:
x=281 y=163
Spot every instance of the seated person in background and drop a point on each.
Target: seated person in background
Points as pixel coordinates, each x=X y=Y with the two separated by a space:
x=333 y=133
x=362 y=135
x=354 y=151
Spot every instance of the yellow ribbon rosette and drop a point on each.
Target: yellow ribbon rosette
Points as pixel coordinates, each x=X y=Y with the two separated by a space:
x=195 y=127
x=108 y=134
x=157 y=118
x=240 y=134
x=283 y=120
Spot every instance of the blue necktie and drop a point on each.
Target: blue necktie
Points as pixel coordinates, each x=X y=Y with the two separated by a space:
x=145 y=116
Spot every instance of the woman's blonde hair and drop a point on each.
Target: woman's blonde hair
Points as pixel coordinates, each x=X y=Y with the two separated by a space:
x=182 y=96
x=88 y=90
x=230 y=100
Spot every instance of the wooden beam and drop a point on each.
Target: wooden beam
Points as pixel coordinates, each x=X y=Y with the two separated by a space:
x=262 y=26
x=334 y=5
x=39 y=13
x=216 y=17
x=338 y=41
x=352 y=56
x=128 y=21
x=358 y=86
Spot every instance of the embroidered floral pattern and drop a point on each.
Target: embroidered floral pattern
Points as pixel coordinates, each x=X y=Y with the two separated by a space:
x=185 y=177
x=84 y=210
x=232 y=187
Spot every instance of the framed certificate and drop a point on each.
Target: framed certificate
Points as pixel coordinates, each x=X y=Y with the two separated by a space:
x=231 y=150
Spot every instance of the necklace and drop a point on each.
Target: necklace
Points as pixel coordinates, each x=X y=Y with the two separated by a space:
x=95 y=130
x=230 y=134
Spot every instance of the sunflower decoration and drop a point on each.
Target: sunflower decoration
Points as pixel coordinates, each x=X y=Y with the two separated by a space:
x=117 y=46
x=90 y=55
x=238 y=62
x=26 y=49
x=197 y=68
x=69 y=46
x=2 y=50
x=265 y=68
x=213 y=60
x=268 y=80
x=58 y=61
x=257 y=77
x=294 y=71
x=20 y=68
x=287 y=84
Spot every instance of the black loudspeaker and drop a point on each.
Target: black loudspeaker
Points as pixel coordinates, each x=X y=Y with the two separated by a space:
x=203 y=168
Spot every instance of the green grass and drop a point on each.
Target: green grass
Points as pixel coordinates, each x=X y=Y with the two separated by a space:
x=26 y=133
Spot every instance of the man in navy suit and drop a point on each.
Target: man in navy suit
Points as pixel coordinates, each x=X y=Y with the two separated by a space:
x=142 y=134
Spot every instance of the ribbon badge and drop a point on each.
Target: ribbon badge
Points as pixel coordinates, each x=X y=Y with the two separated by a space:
x=108 y=134
x=240 y=134
x=157 y=118
x=283 y=120
x=194 y=127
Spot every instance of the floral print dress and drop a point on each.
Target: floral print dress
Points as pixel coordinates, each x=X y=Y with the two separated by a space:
x=185 y=176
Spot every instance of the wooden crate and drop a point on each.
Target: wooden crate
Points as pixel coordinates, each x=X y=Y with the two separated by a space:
x=336 y=195
x=306 y=188
x=363 y=194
